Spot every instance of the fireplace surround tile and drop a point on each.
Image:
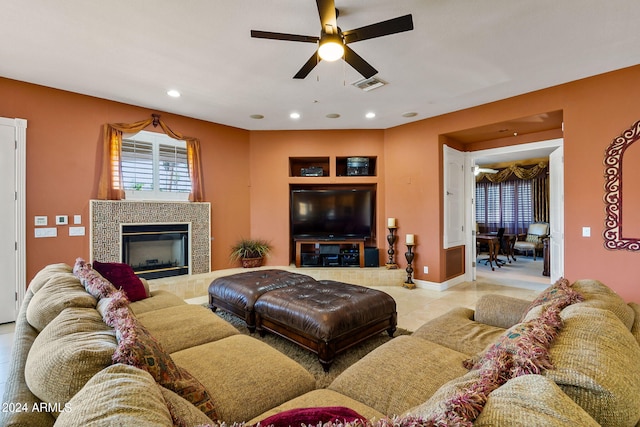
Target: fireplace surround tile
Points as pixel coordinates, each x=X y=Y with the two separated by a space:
x=107 y=216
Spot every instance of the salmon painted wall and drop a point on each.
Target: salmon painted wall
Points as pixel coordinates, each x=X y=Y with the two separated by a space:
x=270 y=180
x=596 y=110
x=63 y=158
x=250 y=198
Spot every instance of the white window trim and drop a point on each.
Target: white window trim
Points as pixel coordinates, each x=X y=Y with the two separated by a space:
x=155 y=138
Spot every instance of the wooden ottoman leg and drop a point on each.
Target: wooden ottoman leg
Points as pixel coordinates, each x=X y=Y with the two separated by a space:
x=326 y=354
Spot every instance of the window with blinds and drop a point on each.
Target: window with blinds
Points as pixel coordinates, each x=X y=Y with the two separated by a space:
x=508 y=204
x=155 y=167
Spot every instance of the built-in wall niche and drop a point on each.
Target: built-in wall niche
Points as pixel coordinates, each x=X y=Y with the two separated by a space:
x=356 y=166
x=309 y=166
x=347 y=166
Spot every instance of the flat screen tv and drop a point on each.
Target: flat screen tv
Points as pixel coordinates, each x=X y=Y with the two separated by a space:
x=338 y=213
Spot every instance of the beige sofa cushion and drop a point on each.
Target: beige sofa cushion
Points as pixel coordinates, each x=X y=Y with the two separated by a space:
x=45 y=274
x=137 y=347
x=157 y=300
x=390 y=383
x=598 y=295
x=119 y=395
x=184 y=326
x=62 y=290
x=635 y=328
x=434 y=406
x=596 y=364
x=183 y=412
x=529 y=400
x=15 y=389
x=500 y=310
x=321 y=398
x=244 y=376
x=70 y=350
x=532 y=400
x=458 y=331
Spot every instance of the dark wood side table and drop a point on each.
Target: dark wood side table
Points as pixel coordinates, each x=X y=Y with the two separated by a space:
x=545 y=257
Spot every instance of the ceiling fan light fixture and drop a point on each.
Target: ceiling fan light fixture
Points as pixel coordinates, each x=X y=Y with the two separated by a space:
x=331 y=47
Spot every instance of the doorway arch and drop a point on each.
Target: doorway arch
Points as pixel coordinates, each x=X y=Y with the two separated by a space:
x=496 y=155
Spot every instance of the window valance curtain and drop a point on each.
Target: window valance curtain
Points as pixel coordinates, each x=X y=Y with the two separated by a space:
x=110 y=186
x=514 y=169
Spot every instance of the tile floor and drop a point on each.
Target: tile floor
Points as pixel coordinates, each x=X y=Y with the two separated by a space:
x=521 y=279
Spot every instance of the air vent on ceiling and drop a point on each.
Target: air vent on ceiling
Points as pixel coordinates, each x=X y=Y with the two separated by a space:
x=369 y=84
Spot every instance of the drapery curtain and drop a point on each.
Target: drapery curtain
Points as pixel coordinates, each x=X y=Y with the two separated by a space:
x=513 y=198
x=540 y=195
x=110 y=186
x=519 y=171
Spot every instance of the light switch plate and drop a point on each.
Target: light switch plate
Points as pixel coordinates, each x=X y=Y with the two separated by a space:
x=62 y=220
x=76 y=231
x=46 y=232
x=40 y=221
x=586 y=231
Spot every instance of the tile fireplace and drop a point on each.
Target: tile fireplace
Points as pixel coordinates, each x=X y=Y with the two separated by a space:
x=108 y=219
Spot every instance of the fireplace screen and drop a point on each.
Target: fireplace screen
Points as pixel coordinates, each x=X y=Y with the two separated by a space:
x=156 y=250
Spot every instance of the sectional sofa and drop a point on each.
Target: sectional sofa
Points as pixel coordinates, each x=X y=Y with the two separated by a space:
x=85 y=354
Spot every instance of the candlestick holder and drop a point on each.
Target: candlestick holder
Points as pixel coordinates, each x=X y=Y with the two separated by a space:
x=391 y=239
x=409 y=256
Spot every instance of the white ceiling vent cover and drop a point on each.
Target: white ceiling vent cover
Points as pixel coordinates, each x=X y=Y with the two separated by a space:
x=369 y=84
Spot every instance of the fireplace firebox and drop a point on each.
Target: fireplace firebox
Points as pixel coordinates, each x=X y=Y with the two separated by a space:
x=156 y=250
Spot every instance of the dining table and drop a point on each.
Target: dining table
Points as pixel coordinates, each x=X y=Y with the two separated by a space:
x=493 y=242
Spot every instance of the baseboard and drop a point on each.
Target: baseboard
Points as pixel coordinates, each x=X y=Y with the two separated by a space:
x=434 y=286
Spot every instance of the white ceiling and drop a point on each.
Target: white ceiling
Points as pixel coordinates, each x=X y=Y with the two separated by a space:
x=461 y=53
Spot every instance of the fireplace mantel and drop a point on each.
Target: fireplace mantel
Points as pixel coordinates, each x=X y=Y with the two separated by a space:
x=107 y=217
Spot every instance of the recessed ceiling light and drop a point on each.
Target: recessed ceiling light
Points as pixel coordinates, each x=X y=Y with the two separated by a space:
x=370 y=115
x=332 y=116
x=173 y=93
x=294 y=115
x=257 y=116
x=410 y=114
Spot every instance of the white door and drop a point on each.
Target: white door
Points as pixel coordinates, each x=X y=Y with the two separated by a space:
x=8 y=253
x=472 y=247
x=556 y=213
x=454 y=207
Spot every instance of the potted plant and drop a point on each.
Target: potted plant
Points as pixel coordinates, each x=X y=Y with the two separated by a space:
x=250 y=252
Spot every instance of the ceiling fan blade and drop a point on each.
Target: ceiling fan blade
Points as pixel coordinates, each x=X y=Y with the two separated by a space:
x=384 y=28
x=308 y=66
x=356 y=61
x=282 y=36
x=327 y=12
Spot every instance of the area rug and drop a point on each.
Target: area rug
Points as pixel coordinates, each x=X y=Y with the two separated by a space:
x=310 y=360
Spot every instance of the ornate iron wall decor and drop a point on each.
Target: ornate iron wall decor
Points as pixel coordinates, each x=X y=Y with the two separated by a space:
x=613 y=237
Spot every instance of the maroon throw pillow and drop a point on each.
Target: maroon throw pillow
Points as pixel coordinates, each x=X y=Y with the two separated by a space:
x=312 y=416
x=122 y=277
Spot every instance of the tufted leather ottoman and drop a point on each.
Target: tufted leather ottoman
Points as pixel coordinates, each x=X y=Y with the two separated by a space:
x=326 y=317
x=238 y=293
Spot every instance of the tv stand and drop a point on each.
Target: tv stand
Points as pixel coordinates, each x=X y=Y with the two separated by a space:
x=311 y=249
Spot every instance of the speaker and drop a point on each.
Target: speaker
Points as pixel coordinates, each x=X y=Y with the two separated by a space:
x=371 y=257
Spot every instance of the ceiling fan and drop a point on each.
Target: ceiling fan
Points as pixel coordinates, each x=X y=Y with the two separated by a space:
x=478 y=170
x=333 y=42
